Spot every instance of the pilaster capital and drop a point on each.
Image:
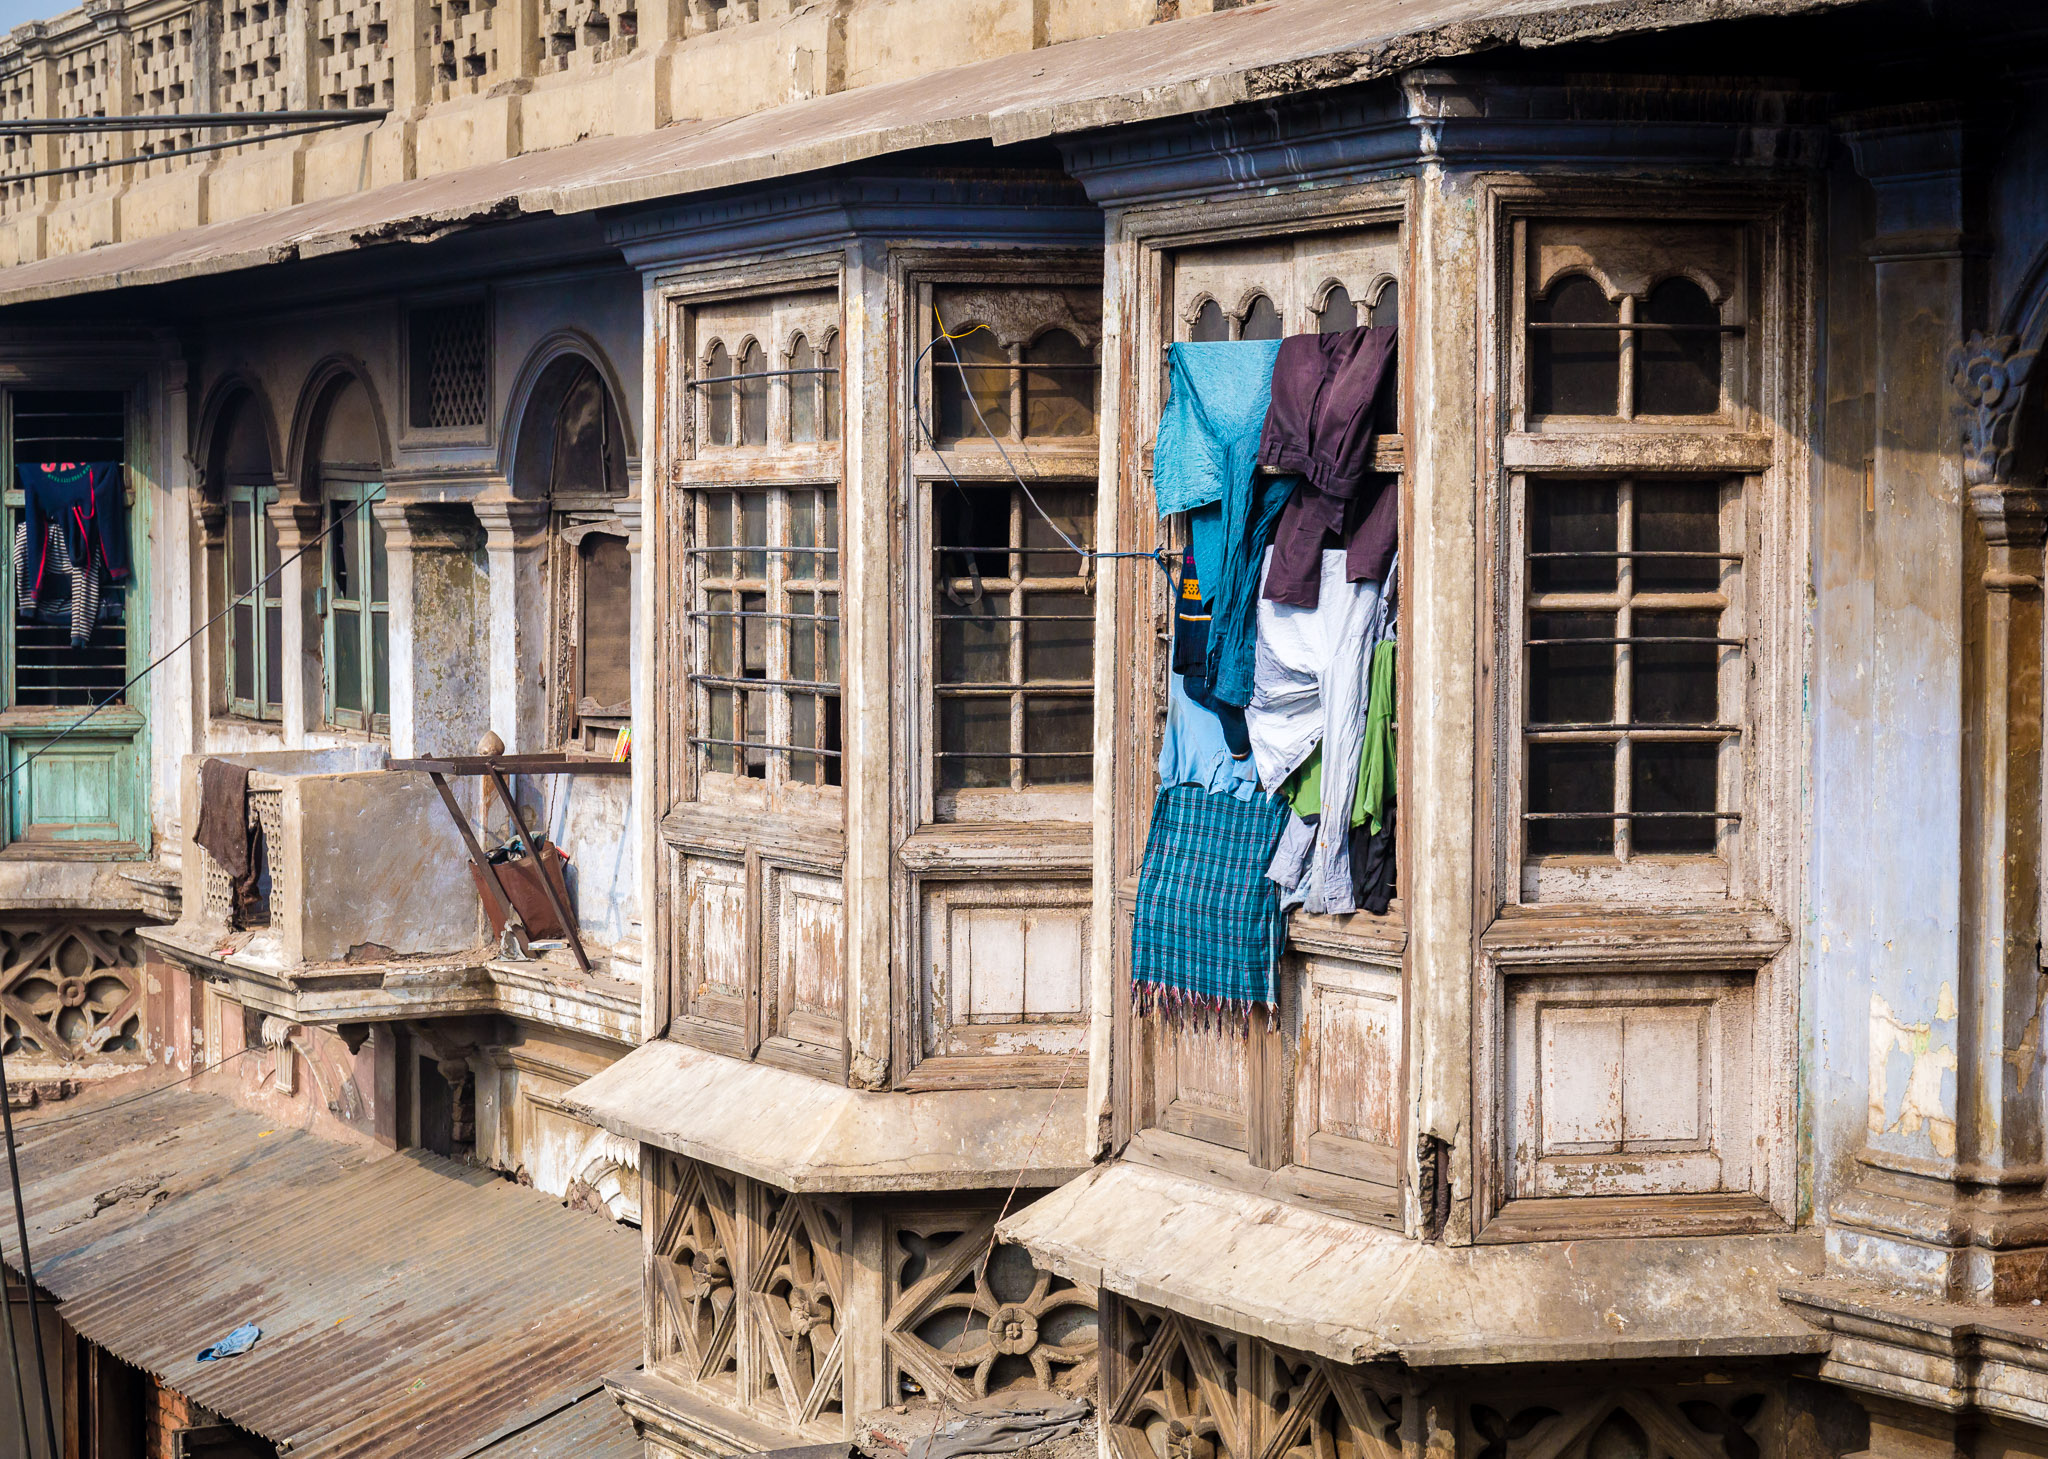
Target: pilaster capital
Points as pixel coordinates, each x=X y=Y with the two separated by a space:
x=210 y=516
x=513 y=524
x=296 y=520
x=1925 y=162
x=425 y=526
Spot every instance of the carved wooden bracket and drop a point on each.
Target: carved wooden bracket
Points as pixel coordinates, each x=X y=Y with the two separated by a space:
x=1989 y=375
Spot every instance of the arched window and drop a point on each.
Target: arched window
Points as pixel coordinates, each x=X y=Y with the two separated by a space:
x=971 y=378
x=716 y=399
x=1574 y=359
x=358 y=635
x=1678 y=359
x=1261 y=319
x=1386 y=308
x=1338 y=312
x=1210 y=327
x=752 y=411
x=814 y=391
x=239 y=472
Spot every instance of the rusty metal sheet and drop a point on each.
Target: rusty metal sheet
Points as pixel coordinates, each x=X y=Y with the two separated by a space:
x=590 y=1428
x=1171 y=68
x=409 y=1305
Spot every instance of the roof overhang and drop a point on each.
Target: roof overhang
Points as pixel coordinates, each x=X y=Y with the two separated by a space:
x=1170 y=69
x=802 y=1134
x=1320 y=1284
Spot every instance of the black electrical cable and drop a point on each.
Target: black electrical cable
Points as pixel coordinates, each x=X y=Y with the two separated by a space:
x=161 y=659
x=28 y=1447
x=28 y=1271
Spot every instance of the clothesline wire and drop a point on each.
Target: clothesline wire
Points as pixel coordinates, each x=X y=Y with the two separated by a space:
x=1157 y=554
x=157 y=663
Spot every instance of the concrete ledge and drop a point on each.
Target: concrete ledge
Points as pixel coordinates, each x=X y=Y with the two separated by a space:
x=681 y=1420
x=1960 y=1359
x=802 y=1134
x=1320 y=1284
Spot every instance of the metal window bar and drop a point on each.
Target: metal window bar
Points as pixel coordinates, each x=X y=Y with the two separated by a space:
x=706 y=381
x=1621 y=601
x=1643 y=328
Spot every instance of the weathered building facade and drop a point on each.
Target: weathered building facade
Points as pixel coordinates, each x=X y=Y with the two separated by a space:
x=741 y=421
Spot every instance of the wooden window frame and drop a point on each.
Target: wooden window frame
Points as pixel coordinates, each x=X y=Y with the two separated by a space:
x=1285 y=1140
x=267 y=704
x=1643 y=937
x=343 y=486
x=1034 y=855
x=758 y=850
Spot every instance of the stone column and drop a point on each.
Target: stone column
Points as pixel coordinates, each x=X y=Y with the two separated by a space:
x=1946 y=1200
x=522 y=673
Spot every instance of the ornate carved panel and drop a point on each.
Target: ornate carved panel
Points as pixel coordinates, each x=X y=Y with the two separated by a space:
x=70 y=990
x=797 y=1299
x=693 y=1275
x=966 y=1320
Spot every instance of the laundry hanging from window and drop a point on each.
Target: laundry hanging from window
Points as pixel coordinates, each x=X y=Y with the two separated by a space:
x=1280 y=611
x=71 y=546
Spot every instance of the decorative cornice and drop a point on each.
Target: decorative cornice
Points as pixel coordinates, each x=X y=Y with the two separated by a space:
x=1989 y=376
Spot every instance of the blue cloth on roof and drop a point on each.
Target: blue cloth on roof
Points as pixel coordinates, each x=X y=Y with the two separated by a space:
x=1216 y=403
x=1195 y=750
x=1208 y=927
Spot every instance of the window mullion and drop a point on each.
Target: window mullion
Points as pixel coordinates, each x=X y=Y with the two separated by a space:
x=1019 y=570
x=778 y=631
x=1624 y=666
x=1625 y=387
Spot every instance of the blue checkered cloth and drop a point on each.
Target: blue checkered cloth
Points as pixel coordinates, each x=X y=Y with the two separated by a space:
x=1209 y=927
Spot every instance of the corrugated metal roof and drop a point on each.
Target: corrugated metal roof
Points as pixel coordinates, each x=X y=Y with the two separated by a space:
x=409 y=1305
x=1172 y=68
x=591 y=1428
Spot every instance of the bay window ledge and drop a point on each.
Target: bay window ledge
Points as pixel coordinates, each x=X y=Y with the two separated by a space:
x=1317 y=1283
x=804 y=1135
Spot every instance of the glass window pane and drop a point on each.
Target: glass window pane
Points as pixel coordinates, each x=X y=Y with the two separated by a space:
x=1073 y=516
x=606 y=636
x=268 y=562
x=1574 y=371
x=803 y=532
x=342 y=555
x=974 y=517
x=1678 y=371
x=719 y=635
x=380 y=662
x=1057 y=732
x=1261 y=319
x=1677 y=683
x=241 y=548
x=805 y=391
x=1566 y=778
x=830 y=360
x=974 y=644
x=1572 y=517
x=980 y=725
x=828 y=639
x=718 y=515
x=1386 y=309
x=753 y=525
x=962 y=389
x=1210 y=327
x=1674 y=777
x=753 y=636
x=1678 y=516
x=718 y=725
x=1059 y=399
x=348 y=659
x=717 y=399
x=380 y=559
x=1338 y=313
x=1059 y=641
x=754 y=730
x=753 y=396
x=1571 y=683
x=803 y=637
x=242 y=650
x=273 y=655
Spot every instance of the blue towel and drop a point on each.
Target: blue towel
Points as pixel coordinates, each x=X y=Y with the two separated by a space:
x=1215 y=408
